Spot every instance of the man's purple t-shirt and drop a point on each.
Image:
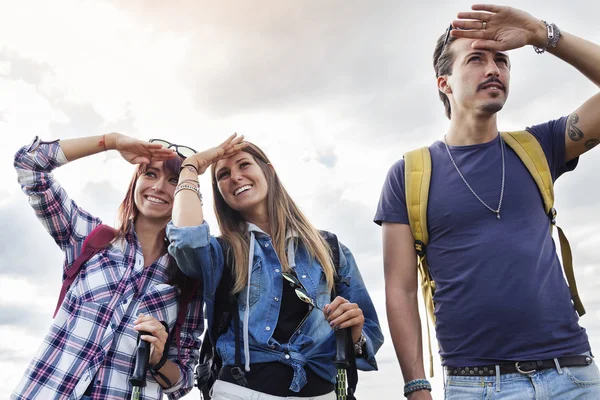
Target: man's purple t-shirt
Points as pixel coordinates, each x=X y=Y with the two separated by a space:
x=501 y=294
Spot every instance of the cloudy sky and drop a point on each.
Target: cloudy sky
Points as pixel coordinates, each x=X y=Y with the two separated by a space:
x=334 y=91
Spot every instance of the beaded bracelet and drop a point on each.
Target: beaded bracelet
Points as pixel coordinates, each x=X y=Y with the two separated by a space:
x=416 y=385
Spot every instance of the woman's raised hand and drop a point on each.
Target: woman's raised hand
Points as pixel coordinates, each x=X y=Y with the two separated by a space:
x=137 y=151
x=202 y=160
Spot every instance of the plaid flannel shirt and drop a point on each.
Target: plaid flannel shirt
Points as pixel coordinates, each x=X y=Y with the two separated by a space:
x=92 y=340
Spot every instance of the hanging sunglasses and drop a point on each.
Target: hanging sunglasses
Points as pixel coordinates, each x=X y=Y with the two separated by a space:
x=183 y=151
x=300 y=290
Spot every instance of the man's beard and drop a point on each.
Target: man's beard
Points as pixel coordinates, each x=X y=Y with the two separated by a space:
x=492 y=107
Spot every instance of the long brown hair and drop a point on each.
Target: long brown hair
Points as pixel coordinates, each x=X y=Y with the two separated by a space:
x=284 y=216
x=128 y=212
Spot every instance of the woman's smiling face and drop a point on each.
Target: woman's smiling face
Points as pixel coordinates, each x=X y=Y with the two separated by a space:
x=242 y=183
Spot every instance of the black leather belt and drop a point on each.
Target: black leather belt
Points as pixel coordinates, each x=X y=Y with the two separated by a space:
x=521 y=367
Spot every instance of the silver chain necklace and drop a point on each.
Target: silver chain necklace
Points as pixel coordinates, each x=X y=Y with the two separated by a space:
x=497 y=211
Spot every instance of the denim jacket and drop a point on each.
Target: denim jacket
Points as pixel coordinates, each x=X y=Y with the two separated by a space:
x=200 y=256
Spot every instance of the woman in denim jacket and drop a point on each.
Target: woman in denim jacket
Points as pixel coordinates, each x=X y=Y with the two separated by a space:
x=288 y=345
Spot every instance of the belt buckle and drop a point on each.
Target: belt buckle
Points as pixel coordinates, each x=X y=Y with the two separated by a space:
x=521 y=371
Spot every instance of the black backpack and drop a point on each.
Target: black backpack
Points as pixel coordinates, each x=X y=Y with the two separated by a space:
x=226 y=311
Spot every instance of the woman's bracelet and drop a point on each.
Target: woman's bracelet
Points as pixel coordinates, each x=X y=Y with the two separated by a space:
x=415 y=385
x=192 y=180
x=191 y=167
x=359 y=345
x=187 y=186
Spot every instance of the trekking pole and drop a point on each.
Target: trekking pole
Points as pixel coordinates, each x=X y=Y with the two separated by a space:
x=341 y=362
x=142 y=355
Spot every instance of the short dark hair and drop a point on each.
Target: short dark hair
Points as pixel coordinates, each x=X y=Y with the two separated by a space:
x=443 y=58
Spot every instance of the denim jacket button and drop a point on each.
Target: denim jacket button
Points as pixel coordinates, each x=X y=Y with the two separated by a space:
x=276 y=298
x=277 y=270
x=272 y=346
x=268 y=328
x=266 y=244
x=303 y=276
x=287 y=356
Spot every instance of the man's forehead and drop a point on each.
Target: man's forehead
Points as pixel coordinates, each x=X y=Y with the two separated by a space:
x=463 y=46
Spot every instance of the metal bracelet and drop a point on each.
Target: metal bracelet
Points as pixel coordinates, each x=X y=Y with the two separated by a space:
x=358 y=346
x=553 y=37
x=186 y=186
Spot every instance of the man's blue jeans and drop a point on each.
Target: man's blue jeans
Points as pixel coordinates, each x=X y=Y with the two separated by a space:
x=561 y=383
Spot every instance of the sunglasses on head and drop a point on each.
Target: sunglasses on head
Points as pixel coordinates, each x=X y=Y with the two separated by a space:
x=182 y=151
x=300 y=290
x=447 y=36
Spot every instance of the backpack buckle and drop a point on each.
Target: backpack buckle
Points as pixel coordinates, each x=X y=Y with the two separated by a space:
x=201 y=375
x=239 y=376
x=552 y=214
x=420 y=248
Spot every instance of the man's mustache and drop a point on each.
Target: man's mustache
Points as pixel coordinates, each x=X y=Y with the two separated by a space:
x=491 y=80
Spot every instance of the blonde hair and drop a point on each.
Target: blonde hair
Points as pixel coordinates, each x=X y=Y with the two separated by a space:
x=284 y=217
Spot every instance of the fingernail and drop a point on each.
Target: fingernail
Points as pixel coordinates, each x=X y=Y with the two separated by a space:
x=331 y=324
x=337 y=328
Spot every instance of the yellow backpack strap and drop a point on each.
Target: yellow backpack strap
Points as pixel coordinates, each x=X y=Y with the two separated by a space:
x=418 y=176
x=532 y=155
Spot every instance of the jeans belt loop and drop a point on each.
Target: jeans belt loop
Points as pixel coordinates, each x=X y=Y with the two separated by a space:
x=558 y=368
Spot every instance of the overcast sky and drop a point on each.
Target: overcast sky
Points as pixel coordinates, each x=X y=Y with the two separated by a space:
x=334 y=92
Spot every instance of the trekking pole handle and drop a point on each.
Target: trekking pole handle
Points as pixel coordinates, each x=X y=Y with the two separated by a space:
x=142 y=355
x=342 y=337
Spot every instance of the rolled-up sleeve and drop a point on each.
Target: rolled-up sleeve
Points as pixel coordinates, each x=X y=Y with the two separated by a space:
x=65 y=221
x=198 y=254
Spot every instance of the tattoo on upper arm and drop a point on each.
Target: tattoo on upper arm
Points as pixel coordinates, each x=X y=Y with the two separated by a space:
x=590 y=144
x=574 y=132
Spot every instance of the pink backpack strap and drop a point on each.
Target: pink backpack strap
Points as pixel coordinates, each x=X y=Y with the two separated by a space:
x=98 y=239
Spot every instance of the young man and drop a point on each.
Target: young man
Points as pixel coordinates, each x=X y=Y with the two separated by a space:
x=501 y=297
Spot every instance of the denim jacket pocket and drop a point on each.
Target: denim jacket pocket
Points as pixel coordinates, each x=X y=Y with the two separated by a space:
x=254 y=286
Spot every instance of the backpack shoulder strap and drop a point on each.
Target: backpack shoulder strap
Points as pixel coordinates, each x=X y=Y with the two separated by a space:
x=334 y=248
x=186 y=297
x=417 y=176
x=98 y=239
x=222 y=307
x=350 y=359
x=417 y=172
x=532 y=155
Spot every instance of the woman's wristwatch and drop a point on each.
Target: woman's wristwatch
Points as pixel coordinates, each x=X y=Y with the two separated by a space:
x=360 y=345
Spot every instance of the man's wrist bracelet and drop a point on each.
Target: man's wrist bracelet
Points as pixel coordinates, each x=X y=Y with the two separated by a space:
x=553 y=37
x=416 y=385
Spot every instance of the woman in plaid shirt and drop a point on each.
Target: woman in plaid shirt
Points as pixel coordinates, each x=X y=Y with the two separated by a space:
x=129 y=286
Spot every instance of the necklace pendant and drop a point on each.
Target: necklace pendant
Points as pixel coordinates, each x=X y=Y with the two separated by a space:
x=498 y=215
